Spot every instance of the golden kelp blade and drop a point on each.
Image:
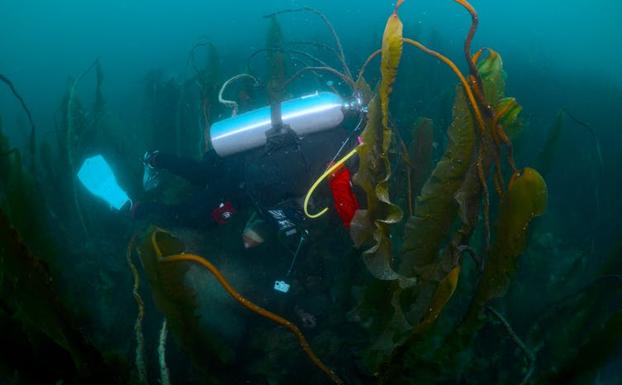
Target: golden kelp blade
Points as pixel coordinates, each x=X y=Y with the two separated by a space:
x=508 y=111
x=375 y=170
x=178 y=301
x=436 y=207
x=443 y=294
x=391 y=55
x=370 y=225
x=525 y=199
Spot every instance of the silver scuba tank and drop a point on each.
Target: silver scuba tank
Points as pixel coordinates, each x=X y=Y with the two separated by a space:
x=305 y=115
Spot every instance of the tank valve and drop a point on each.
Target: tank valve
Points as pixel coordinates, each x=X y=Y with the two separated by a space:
x=355 y=105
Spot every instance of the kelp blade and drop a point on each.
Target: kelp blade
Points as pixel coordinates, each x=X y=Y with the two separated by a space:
x=370 y=225
x=375 y=169
x=177 y=300
x=525 y=199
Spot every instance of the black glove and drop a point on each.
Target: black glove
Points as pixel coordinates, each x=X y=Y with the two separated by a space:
x=151 y=176
x=149 y=159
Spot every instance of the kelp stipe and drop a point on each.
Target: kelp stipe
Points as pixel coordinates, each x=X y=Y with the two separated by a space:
x=76 y=126
x=178 y=303
x=161 y=254
x=32 y=142
x=206 y=76
x=139 y=355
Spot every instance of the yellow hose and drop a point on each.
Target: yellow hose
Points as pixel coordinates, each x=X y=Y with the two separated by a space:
x=321 y=179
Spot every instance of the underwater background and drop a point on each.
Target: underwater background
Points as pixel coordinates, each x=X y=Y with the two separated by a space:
x=488 y=251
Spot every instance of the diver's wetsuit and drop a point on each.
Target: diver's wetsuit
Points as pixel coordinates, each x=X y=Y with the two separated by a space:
x=271 y=180
x=216 y=178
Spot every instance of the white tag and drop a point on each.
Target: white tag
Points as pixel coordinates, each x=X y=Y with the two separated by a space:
x=281 y=286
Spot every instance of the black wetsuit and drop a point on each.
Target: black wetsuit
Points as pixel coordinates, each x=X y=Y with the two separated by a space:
x=272 y=180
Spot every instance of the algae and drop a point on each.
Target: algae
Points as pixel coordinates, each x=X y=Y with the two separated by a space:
x=175 y=298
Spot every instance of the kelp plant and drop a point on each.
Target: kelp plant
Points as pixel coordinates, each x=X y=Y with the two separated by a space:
x=29 y=294
x=166 y=263
x=447 y=210
x=452 y=204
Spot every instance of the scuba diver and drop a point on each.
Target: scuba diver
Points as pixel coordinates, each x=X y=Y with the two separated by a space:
x=255 y=161
x=265 y=159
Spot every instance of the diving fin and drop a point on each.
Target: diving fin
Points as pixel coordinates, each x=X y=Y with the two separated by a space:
x=96 y=176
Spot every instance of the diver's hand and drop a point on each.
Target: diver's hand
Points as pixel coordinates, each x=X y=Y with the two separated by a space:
x=149 y=159
x=151 y=175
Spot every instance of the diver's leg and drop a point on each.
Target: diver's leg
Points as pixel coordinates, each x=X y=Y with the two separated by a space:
x=156 y=213
x=201 y=210
x=195 y=172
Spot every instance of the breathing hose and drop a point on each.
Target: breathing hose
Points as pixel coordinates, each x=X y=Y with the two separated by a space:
x=319 y=180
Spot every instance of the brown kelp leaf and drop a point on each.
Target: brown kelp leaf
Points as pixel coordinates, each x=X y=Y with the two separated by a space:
x=379 y=257
x=469 y=196
x=176 y=299
x=525 y=199
x=375 y=169
x=371 y=169
x=29 y=292
x=393 y=212
x=391 y=55
x=371 y=225
x=430 y=251
x=361 y=228
x=469 y=202
x=491 y=69
x=421 y=153
x=424 y=254
x=443 y=294
x=390 y=61
x=436 y=207
x=508 y=110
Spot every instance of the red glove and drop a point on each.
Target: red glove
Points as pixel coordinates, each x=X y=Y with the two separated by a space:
x=223 y=213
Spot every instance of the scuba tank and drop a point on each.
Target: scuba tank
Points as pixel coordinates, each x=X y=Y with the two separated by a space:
x=305 y=115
